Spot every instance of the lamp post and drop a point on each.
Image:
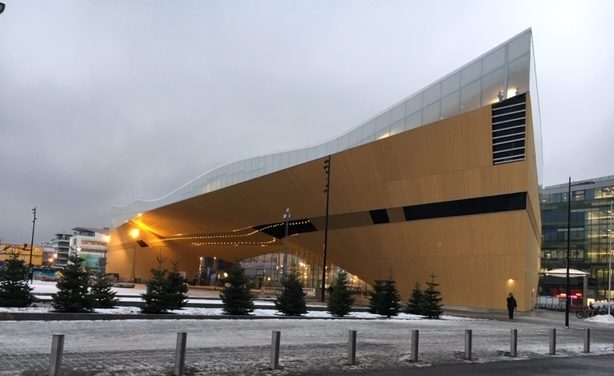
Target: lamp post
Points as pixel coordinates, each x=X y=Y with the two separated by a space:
x=30 y=271
x=567 y=288
x=611 y=213
x=134 y=233
x=286 y=219
x=327 y=191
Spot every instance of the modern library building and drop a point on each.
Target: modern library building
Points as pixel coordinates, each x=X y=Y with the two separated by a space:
x=444 y=182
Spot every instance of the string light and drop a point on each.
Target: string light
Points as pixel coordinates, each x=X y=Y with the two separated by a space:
x=223 y=237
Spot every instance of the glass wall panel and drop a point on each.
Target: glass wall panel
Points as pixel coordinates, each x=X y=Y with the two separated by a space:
x=537 y=131
x=413 y=104
x=367 y=137
x=519 y=47
x=355 y=137
x=450 y=105
x=492 y=86
x=321 y=150
x=430 y=113
x=414 y=120
x=432 y=94
x=269 y=163
x=382 y=122
x=397 y=113
x=493 y=60
x=368 y=130
x=471 y=73
x=302 y=155
x=397 y=127
x=276 y=162
x=450 y=84
x=471 y=96
x=311 y=153
x=382 y=133
x=292 y=158
x=344 y=142
x=518 y=76
x=331 y=147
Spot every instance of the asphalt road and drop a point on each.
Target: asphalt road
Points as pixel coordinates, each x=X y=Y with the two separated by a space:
x=601 y=365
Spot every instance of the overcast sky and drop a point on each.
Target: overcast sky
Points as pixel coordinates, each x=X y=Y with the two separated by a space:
x=104 y=102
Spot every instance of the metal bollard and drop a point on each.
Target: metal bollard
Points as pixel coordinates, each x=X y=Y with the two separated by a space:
x=513 y=342
x=352 y=347
x=57 y=348
x=415 y=335
x=587 y=340
x=180 y=354
x=275 y=349
x=468 y=344
x=552 y=341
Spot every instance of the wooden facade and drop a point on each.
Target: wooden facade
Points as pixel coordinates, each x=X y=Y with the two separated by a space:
x=478 y=258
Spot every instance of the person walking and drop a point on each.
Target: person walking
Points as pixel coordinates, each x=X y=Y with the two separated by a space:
x=511 y=305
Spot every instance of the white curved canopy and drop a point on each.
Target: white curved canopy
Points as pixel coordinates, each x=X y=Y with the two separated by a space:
x=562 y=273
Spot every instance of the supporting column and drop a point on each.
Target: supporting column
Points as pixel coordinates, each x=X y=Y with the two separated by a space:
x=584 y=290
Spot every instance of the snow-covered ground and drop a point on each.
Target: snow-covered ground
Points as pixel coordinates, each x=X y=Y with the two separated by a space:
x=241 y=347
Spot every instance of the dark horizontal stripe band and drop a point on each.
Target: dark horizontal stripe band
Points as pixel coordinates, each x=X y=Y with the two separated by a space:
x=470 y=206
x=379 y=216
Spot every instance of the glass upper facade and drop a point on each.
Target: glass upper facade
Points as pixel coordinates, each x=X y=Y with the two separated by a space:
x=590 y=237
x=503 y=72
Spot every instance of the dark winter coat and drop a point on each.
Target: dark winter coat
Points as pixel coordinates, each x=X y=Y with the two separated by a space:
x=511 y=303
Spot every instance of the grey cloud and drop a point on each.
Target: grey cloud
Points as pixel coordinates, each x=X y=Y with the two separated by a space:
x=105 y=102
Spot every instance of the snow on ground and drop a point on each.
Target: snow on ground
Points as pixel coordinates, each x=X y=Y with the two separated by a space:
x=241 y=347
x=46 y=307
x=604 y=319
x=197 y=295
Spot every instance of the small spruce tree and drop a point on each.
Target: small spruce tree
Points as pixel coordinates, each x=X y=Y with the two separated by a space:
x=432 y=300
x=340 y=299
x=155 y=297
x=376 y=296
x=390 y=299
x=291 y=300
x=415 y=303
x=176 y=289
x=236 y=296
x=14 y=290
x=102 y=293
x=73 y=285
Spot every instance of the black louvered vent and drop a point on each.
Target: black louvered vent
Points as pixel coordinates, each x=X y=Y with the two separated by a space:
x=508 y=130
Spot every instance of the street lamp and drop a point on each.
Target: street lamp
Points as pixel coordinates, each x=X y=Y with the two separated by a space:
x=286 y=219
x=134 y=233
x=611 y=213
x=327 y=191
x=567 y=288
x=31 y=272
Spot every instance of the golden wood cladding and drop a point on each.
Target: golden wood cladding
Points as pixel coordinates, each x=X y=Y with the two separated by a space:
x=477 y=258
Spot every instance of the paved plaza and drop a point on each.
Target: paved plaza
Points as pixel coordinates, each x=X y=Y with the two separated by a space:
x=241 y=347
